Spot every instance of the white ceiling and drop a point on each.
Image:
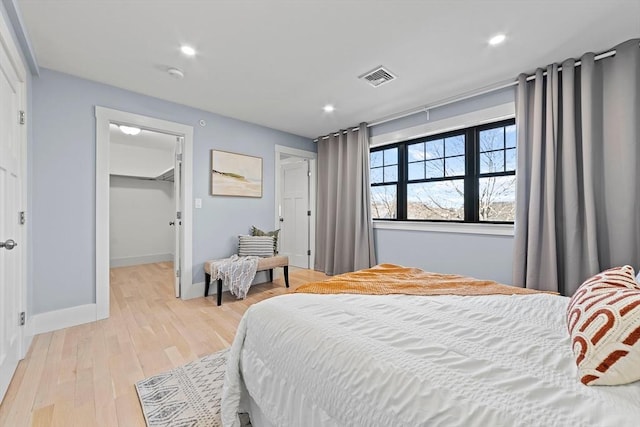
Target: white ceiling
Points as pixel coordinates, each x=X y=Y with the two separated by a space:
x=277 y=62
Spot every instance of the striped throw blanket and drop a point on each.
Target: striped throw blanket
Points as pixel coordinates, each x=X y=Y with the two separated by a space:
x=236 y=273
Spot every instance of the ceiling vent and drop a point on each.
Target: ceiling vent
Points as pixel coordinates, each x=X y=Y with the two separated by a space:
x=378 y=76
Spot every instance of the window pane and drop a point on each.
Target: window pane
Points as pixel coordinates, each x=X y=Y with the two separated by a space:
x=376 y=175
x=511 y=160
x=376 y=159
x=454 y=166
x=492 y=161
x=510 y=136
x=383 y=201
x=436 y=200
x=416 y=170
x=497 y=198
x=434 y=149
x=455 y=146
x=492 y=139
x=416 y=152
x=391 y=156
x=435 y=168
x=390 y=173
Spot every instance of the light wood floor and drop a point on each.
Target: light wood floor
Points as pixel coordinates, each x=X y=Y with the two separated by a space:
x=85 y=375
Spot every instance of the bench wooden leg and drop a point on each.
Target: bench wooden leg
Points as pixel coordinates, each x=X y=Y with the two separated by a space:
x=271 y=275
x=286 y=275
x=219 y=291
x=207 y=282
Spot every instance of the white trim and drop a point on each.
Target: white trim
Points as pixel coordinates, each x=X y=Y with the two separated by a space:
x=104 y=116
x=475 y=118
x=137 y=260
x=195 y=290
x=446 y=227
x=14 y=54
x=6 y=375
x=296 y=152
x=26 y=247
x=28 y=335
x=18 y=66
x=65 y=318
x=313 y=167
x=15 y=17
x=312 y=157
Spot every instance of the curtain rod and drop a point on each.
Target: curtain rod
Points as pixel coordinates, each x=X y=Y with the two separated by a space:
x=467 y=95
x=336 y=134
x=462 y=97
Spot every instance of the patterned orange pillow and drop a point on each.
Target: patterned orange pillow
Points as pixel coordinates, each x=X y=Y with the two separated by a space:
x=603 y=318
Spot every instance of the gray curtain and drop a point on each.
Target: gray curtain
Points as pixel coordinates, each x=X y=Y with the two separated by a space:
x=578 y=176
x=344 y=234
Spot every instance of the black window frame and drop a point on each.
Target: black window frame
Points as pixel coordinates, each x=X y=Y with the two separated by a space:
x=471 y=177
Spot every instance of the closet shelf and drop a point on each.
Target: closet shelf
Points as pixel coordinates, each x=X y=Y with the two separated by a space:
x=164 y=176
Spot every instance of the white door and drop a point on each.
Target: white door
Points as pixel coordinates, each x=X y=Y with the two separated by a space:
x=294 y=208
x=177 y=195
x=10 y=233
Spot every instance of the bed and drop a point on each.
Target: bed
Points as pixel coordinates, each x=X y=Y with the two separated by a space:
x=405 y=360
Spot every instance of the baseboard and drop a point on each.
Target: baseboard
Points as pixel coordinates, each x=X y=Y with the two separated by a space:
x=196 y=290
x=6 y=373
x=27 y=336
x=137 y=260
x=65 y=318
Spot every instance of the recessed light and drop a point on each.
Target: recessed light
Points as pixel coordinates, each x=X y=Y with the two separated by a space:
x=328 y=108
x=129 y=130
x=187 y=50
x=497 y=39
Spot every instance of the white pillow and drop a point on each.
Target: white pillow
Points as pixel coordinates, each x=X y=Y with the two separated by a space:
x=603 y=318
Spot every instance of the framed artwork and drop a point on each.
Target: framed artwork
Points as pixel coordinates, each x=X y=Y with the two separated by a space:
x=234 y=174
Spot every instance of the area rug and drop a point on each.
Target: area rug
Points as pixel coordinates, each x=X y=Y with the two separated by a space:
x=188 y=396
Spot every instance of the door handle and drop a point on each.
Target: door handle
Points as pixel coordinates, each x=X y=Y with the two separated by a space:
x=281 y=219
x=172 y=223
x=8 y=245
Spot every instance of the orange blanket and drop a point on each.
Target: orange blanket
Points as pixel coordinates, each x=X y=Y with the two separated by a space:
x=385 y=279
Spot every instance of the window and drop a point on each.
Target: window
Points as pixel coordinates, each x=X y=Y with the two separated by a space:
x=384 y=183
x=466 y=175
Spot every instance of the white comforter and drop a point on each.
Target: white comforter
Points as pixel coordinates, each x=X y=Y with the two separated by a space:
x=360 y=360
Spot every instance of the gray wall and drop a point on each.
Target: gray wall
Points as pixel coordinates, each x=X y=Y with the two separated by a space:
x=139 y=216
x=479 y=255
x=476 y=103
x=63 y=178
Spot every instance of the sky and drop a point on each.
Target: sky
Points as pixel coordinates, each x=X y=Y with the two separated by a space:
x=445 y=158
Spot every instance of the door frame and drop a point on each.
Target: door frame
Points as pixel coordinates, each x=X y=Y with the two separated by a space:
x=10 y=49
x=105 y=116
x=313 y=186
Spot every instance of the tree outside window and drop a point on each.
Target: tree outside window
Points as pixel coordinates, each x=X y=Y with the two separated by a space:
x=467 y=175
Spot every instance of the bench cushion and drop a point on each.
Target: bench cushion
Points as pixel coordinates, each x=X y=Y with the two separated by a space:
x=263 y=263
x=272 y=262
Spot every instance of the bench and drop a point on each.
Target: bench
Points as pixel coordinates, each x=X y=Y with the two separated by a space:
x=267 y=263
